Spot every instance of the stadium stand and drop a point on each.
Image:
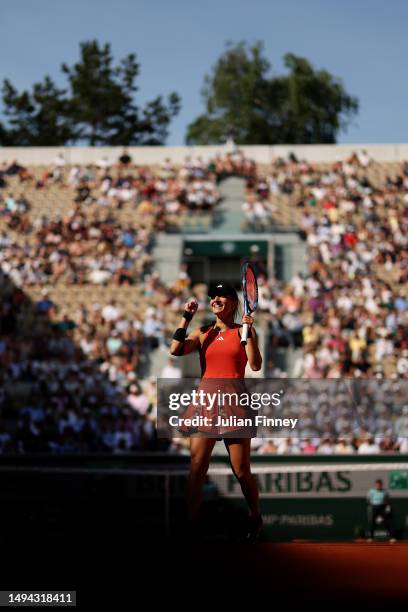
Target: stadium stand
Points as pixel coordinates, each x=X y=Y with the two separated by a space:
x=83 y=306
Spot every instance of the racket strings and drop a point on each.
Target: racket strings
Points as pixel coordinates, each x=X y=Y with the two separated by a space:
x=251 y=289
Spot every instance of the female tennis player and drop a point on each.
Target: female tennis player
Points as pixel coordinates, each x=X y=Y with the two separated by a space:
x=222 y=356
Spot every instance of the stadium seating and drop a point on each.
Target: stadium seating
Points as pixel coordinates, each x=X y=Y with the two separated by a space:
x=352 y=214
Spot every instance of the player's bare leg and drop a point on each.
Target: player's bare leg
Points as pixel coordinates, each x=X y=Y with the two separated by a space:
x=200 y=451
x=239 y=453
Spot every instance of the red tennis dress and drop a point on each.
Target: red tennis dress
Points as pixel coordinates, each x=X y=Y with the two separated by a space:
x=223 y=360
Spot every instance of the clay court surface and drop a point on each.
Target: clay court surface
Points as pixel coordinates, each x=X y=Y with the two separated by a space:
x=111 y=572
x=351 y=571
x=357 y=569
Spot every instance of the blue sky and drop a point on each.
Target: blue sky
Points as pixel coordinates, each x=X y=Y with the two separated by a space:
x=364 y=42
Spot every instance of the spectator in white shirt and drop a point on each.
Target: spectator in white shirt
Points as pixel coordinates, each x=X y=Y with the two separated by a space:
x=171 y=370
x=111 y=312
x=368 y=447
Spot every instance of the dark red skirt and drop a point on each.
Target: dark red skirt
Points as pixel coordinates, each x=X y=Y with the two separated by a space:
x=223 y=412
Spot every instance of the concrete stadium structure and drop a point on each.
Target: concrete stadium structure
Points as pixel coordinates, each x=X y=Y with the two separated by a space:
x=261 y=154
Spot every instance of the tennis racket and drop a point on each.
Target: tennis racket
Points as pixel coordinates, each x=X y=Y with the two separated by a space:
x=250 y=294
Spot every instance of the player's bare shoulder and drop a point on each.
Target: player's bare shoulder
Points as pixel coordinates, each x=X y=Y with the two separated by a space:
x=202 y=332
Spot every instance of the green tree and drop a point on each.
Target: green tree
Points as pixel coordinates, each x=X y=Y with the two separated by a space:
x=35 y=118
x=102 y=103
x=243 y=101
x=98 y=106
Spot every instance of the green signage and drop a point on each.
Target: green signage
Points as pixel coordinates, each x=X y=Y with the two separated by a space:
x=398 y=479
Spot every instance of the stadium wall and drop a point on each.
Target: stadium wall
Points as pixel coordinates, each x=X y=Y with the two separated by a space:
x=156 y=155
x=319 y=498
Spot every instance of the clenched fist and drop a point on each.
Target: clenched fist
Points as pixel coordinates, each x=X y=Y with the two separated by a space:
x=248 y=319
x=191 y=306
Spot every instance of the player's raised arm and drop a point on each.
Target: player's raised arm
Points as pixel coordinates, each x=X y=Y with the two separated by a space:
x=181 y=343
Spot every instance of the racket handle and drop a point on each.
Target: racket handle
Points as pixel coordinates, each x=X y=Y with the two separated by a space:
x=244 y=334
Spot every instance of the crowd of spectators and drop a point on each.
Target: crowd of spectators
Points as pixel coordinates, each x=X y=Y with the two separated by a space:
x=164 y=190
x=365 y=444
x=75 y=381
x=259 y=207
x=161 y=194
x=79 y=382
x=345 y=415
x=257 y=213
x=78 y=249
x=349 y=311
x=233 y=163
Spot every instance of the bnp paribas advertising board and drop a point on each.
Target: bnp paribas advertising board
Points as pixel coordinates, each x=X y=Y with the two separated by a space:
x=321 y=503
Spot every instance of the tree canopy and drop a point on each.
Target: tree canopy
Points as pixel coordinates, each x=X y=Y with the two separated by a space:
x=244 y=102
x=97 y=107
